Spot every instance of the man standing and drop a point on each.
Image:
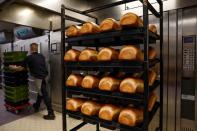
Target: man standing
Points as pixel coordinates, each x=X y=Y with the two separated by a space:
x=38 y=71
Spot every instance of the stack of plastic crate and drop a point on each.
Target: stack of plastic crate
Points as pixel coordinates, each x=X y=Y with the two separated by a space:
x=15 y=82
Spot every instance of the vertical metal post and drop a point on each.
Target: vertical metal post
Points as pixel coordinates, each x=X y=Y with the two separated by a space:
x=161 y=67
x=97 y=127
x=146 y=64
x=49 y=50
x=12 y=42
x=63 y=68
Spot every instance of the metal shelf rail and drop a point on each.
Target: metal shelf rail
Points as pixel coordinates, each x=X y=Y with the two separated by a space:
x=143 y=36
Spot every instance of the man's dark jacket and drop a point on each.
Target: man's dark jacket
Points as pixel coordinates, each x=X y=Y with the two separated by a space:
x=37 y=66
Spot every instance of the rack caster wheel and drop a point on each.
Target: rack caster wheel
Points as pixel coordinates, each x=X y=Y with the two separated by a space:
x=16 y=112
x=7 y=109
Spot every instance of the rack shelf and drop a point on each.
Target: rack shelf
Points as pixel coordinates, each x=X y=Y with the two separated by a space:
x=140 y=36
x=136 y=99
x=113 y=124
x=112 y=38
x=128 y=66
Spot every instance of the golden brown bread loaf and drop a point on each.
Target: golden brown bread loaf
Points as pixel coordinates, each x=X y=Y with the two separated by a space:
x=89 y=28
x=74 y=80
x=152 y=53
x=109 y=112
x=73 y=31
x=152 y=100
x=130 y=52
x=131 y=116
x=90 y=108
x=90 y=82
x=88 y=55
x=71 y=55
x=153 y=28
x=74 y=104
x=132 y=85
x=107 y=54
x=109 y=84
x=152 y=77
x=131 y=19
x=109 y=24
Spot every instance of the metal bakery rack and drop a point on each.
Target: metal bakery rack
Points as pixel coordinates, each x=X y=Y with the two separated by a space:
x=139 y=35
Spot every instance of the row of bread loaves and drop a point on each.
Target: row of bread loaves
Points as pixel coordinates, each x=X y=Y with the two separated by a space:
x=130 y=116
x=108 y=24
x=127 y=85
x=129 y=52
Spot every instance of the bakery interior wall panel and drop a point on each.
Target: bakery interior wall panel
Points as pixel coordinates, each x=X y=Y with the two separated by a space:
x=177 y=25
x=153 y=20
x=115 y=12
x=179 y=67
x=172 y=70
x=187 y=89
x=165 y=66
x=167 y=5
x=55 y=62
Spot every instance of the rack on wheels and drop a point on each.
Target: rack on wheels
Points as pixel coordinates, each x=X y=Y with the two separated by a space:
x=139 y=35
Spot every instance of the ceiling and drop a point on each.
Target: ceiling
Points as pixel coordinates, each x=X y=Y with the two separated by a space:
x=39 y=13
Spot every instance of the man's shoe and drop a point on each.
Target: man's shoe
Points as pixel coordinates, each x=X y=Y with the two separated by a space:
x=36 y=109
x=49 y=117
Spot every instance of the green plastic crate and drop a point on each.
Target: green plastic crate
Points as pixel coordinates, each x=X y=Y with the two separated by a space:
x=16 y=56
x=16 y=100
x=18 y=89
x=16 y=94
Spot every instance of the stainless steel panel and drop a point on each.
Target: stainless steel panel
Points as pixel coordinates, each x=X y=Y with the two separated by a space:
x=195 y=12
x=55 y=81
x=189 y=25
x=166 y=68
x=179 y=68
x=172 y=71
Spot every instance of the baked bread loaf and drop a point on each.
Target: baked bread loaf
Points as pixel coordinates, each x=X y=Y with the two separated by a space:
x=130 y=52
x=152 y=77
x=107 y=54
x=153 y=28
x=88 y=55
x=72 y=31
x=132 y=85
x=71 y=55
x=131 y=116
x=89 y=28
x=152 y=53
x=74 y=80
x=152 y=100
x=109 y=24
x=90 y=82
x=74 y=104
x=90 y=108
x=109 y=112
x=131 y=19
x=109 y=84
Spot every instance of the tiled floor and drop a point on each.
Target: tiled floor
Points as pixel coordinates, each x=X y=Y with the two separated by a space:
x=36 y=123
